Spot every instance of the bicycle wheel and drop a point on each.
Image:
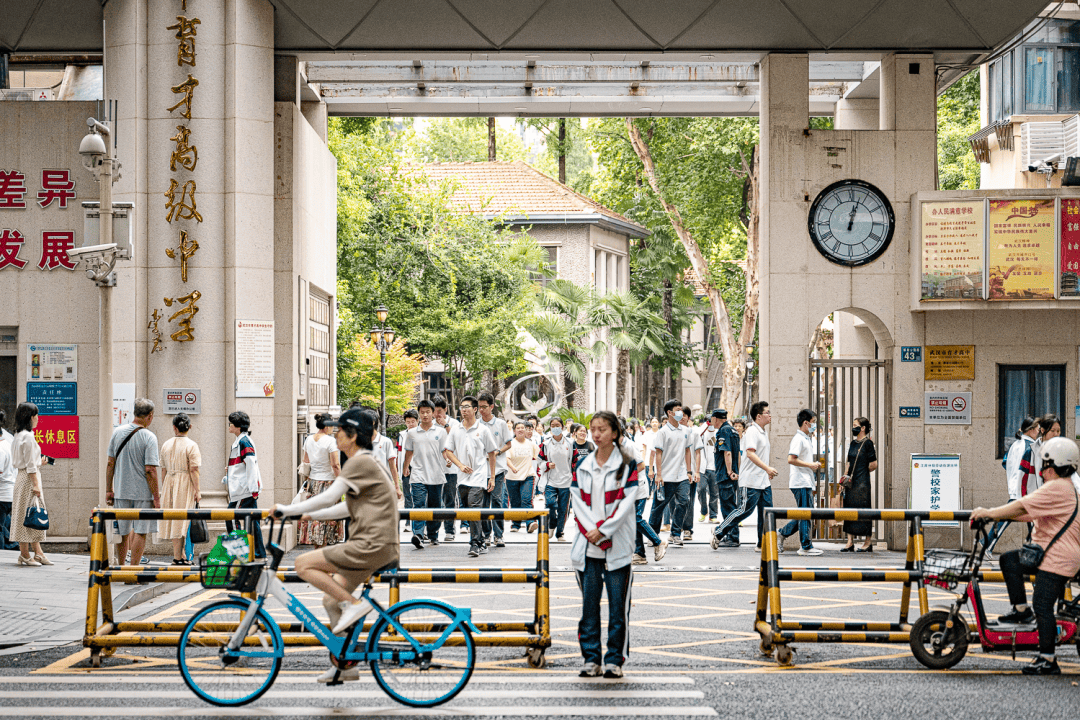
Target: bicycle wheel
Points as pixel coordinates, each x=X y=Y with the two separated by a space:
x=223 y=679
x=934 y=645
x=434 y=676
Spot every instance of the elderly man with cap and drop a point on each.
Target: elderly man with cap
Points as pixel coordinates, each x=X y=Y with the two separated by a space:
x=726 y=462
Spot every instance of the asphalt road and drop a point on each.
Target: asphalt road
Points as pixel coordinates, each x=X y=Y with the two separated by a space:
x=693 y=654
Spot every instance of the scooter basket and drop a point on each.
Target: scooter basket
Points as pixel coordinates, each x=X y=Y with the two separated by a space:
x=946 y=568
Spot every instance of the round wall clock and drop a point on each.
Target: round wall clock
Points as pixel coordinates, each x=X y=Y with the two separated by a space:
x=851 y=223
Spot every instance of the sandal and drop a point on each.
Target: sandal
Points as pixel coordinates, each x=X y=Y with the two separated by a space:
x=181 y=562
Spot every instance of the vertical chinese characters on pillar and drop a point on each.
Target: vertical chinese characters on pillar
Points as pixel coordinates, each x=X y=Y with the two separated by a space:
x=181 y=205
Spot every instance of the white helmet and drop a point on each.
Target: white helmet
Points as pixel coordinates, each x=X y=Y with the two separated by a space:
x=1062 y=454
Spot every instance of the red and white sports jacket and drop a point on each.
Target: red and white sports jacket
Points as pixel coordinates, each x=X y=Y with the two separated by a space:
x=614 y=516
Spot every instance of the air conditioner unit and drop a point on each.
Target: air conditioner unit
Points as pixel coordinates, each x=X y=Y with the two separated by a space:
x=1040 y=140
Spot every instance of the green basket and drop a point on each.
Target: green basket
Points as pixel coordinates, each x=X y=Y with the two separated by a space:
x=241 y=576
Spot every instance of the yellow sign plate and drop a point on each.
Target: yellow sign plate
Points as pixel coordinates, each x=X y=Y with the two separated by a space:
x=950 y=362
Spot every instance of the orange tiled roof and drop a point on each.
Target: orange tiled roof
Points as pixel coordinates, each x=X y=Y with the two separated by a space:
x=516 y=189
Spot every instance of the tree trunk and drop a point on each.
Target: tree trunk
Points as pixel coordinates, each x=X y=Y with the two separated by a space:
x=734 y=347
x=622 y=373
x=562 y=150
x=491 y=139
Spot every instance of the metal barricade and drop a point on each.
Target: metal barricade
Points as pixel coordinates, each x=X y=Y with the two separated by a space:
x=109 y=634
x=778 y=634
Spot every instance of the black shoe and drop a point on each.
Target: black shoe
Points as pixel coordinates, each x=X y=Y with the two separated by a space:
x=1015 y=617
x=729 y=543
x=848 y=548
x=865 y=549
x=474 y=551
x=433 y=542
x=1042 y=666
x=417 y=542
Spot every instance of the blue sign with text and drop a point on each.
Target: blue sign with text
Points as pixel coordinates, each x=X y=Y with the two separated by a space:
x=910 y=412
x=910 y=353
x=54 y=398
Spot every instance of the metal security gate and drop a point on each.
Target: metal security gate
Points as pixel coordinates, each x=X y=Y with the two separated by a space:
x=840 y=391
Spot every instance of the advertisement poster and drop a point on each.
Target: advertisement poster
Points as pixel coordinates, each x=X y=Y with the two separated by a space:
x=58 y=435
x=1070 y=247
x=123 y=403
x=949 y=362
x=1021 y=245
x=935 y=484
x=952 y=250
x=945 y=408
x=48 y=363
x=255 y=358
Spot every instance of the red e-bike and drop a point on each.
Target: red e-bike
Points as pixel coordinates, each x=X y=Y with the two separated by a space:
x=939 y=639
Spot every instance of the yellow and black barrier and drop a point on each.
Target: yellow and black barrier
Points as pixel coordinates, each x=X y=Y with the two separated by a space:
x=778 y=634
x=109 y=634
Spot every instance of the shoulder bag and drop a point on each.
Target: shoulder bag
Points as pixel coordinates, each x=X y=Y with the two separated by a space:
x=845 y=481
x=1032 y=554
x=197 y=530
x=37 y=517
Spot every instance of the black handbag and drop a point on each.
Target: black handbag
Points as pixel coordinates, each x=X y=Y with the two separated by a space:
x=37 y=517
x=1032 y=554
x=197 y=530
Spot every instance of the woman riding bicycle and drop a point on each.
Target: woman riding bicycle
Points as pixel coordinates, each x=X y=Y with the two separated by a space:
x=371 y=506
x=1052 y=507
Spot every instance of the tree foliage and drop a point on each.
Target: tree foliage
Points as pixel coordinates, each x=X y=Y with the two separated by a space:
x=464 y=140
x=362 y=380
x=958 y=119
x=454 y=283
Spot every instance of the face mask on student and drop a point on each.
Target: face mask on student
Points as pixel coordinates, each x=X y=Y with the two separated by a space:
x=556 y=432
x=677 y=415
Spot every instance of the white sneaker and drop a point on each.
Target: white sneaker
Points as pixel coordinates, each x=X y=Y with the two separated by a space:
x=639 y=560
x=350 y=614
x=350 y=675
x=779 y=544
x=612 y=671
x=660 y=551
x=675 y=541
x=811 y=551
x=591 y=670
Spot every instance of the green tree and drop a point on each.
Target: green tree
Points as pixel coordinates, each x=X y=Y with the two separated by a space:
x=454 y=283
x=362 y=379
x=633 y=330
x=464 y=140
x=566 y=155
x=957 y=120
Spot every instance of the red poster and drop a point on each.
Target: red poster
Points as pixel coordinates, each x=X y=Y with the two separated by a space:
x=58 y=435
x=1070 y=247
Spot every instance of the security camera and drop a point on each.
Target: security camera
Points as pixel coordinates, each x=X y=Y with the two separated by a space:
x=93 y=254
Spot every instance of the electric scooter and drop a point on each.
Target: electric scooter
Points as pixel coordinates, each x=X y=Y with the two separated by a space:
x=939 y=639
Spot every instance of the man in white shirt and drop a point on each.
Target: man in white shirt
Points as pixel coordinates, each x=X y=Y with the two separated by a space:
x=697 y=447
x=450 y=493
x=424 y=463
x=708 y=490
x=471 y=449
x=755 y=474
x=801 y=481
x=412 y=419
x=673 y=462
x=496 y=497
x=7 y=491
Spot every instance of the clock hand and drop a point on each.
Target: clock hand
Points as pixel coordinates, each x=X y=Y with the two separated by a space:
x=851 y=218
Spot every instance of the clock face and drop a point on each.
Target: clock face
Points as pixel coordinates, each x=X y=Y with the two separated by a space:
x=851 y=223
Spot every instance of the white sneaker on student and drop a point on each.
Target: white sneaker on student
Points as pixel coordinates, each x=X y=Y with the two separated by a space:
x=350 y=675
x=811 y=551
x=591 y=670
x=350 y=614
x=660 y=550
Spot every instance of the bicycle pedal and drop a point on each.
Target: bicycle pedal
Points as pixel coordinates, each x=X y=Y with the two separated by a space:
x=334 y=682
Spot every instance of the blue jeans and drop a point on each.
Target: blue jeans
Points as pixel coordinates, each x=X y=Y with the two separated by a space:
x=676 y=494
x=750 y=499
x=426 y=496
x=804 y=498
x=520 y=496
x=558 y=505
x=249 y=503
x=729 y=500
x=592 y=583
x=5 y=527
x=450 y=500
x=707 y=486
x=495 y=499
x=643 y=528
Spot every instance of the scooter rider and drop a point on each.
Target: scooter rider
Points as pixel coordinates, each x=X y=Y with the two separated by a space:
x=1051 y=508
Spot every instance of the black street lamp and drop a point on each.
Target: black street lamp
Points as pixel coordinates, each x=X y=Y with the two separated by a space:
x=382 y=337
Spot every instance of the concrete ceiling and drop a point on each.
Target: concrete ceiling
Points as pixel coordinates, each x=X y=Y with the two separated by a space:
x=612 y=26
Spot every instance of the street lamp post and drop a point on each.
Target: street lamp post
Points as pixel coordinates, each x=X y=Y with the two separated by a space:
x=749 y=376
x=382 y=337
x=99 y=261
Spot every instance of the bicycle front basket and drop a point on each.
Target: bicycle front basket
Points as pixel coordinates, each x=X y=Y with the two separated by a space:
x=237 y=575
x=946 y=568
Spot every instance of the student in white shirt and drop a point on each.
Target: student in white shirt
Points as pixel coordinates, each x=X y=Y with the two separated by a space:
x=556 y=454
x=424 y=463
x=449 y=492
x=674 y=466
x=755 y=473
x=521 y=461
x=412 y=419
x=471 y=449
x=603 y=494
x=801 y=481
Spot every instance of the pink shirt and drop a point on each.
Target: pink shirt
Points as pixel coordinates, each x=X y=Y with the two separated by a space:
x=1049 y=508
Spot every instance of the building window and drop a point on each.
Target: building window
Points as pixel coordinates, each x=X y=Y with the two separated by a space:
x=1027 y=390
x=318 y=351
x=713 y=402
x=1040 y=76
x=1039 y=79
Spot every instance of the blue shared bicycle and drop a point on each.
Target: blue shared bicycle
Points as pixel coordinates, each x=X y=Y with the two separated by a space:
x=421 y=652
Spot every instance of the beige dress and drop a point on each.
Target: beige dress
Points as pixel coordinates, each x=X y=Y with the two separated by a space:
x=178 y=456
x=26 y=457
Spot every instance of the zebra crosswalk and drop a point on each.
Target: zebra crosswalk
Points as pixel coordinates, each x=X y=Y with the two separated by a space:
x=136 y=695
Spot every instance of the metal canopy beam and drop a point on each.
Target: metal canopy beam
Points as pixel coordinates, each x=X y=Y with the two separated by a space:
x=543 y=73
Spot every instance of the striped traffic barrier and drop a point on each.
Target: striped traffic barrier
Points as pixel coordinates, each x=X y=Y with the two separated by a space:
x=108 y=634
x=779 y=634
